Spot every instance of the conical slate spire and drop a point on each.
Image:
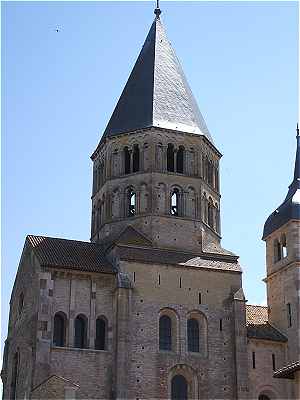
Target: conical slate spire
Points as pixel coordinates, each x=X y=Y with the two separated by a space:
x=290 y=208
x=157 y=93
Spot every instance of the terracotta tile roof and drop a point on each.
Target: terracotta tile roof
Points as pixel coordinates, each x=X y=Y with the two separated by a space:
x=70 y=254
x=258 y=326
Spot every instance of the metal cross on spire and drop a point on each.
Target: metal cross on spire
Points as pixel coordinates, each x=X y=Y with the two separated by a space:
x=157 y=11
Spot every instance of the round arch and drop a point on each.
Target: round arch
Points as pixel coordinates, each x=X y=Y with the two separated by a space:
x=190 y=377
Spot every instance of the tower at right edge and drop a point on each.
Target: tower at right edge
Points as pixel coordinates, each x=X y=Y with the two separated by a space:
x=282 y=237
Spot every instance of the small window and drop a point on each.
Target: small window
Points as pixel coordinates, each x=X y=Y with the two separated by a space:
x=126 y=160
x=59 y=330
x=193 y=335
x=165 y=333
x=136 y=158
x=289 y=314
x=21 y=303
x=100 y=341
x=180 y=159
x=132 y=203
x=221 y=325
x=170 y=157
x=253 y=360
x=80 y=332
x=175 y=203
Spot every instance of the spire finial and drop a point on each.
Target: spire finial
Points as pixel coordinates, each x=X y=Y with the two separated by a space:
x=157 y=11
x=297 y=130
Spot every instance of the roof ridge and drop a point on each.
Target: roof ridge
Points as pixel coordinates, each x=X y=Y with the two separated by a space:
x=58 y=238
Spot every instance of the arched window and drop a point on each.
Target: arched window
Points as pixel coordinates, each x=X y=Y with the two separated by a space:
x=59 y=330
x=80 y=332
x=170 y=157
x=277 y=250
x=165 y=333
x=136 y=158
x=210 y=213
x=179 y=388
x=175 y=202
x=193 y=335
x=100 y=341
x=283 y=245
x=263 y=397
x=131 y=203
x=14 y=376
x=126 y=160
x=21 y=303
x=180 y=159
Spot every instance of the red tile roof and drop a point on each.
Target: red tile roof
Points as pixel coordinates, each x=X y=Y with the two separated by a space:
x=70 y=254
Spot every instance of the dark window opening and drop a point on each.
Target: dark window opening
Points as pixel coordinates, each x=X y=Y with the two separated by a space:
x=180 y=282
x=127 y=160
x=132 y=203
x=175 y=202
x=263 y=397
x=14 y=377
x=80 y=332
x=170 y=157
x=179 y=388
x=100 y=341
x=136 y=158
x=289 y=314
x=221 y=324
x=284 y=248
x=278 y=254
x=193 y=335
x=273 y=362
x=210 y=214
x=200 y=298
x=159 y=279
x=253 y=360
x=179 y=159
x=165 y=333
x=59 y=330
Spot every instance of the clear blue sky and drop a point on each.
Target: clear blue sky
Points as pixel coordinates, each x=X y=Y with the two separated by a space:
x=59 y=90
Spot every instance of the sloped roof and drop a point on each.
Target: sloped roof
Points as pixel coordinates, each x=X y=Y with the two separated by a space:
x=288 y=371
x=157 y=93
x=70 y=254
x=290 y=208
x=258 y=326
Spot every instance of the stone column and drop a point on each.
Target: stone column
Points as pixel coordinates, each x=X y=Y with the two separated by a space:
x=122 y=355
x=240 y=348
x=72 y=312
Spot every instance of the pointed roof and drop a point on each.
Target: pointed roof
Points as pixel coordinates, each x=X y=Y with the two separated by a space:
x=157 y=93
x=290 y=208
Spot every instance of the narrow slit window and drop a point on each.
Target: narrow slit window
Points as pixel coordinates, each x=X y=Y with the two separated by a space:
x=159 y=279
x=284 y=248
x=180 y=282
x=165 y=333
x=273 y=362
x=289 y=314
x=200 y=298
x=253 y=360
x=193 y=335
x=221 y=324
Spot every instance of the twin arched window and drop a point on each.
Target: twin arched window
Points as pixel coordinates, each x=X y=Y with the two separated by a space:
x=167 y=330
x=175 y=159
x=175 y=202
x=280 y=248
x=131 y=203
x=131 y=159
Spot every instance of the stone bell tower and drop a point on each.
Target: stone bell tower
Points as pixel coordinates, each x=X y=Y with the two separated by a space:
x=282 y=237
x=156 y=167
